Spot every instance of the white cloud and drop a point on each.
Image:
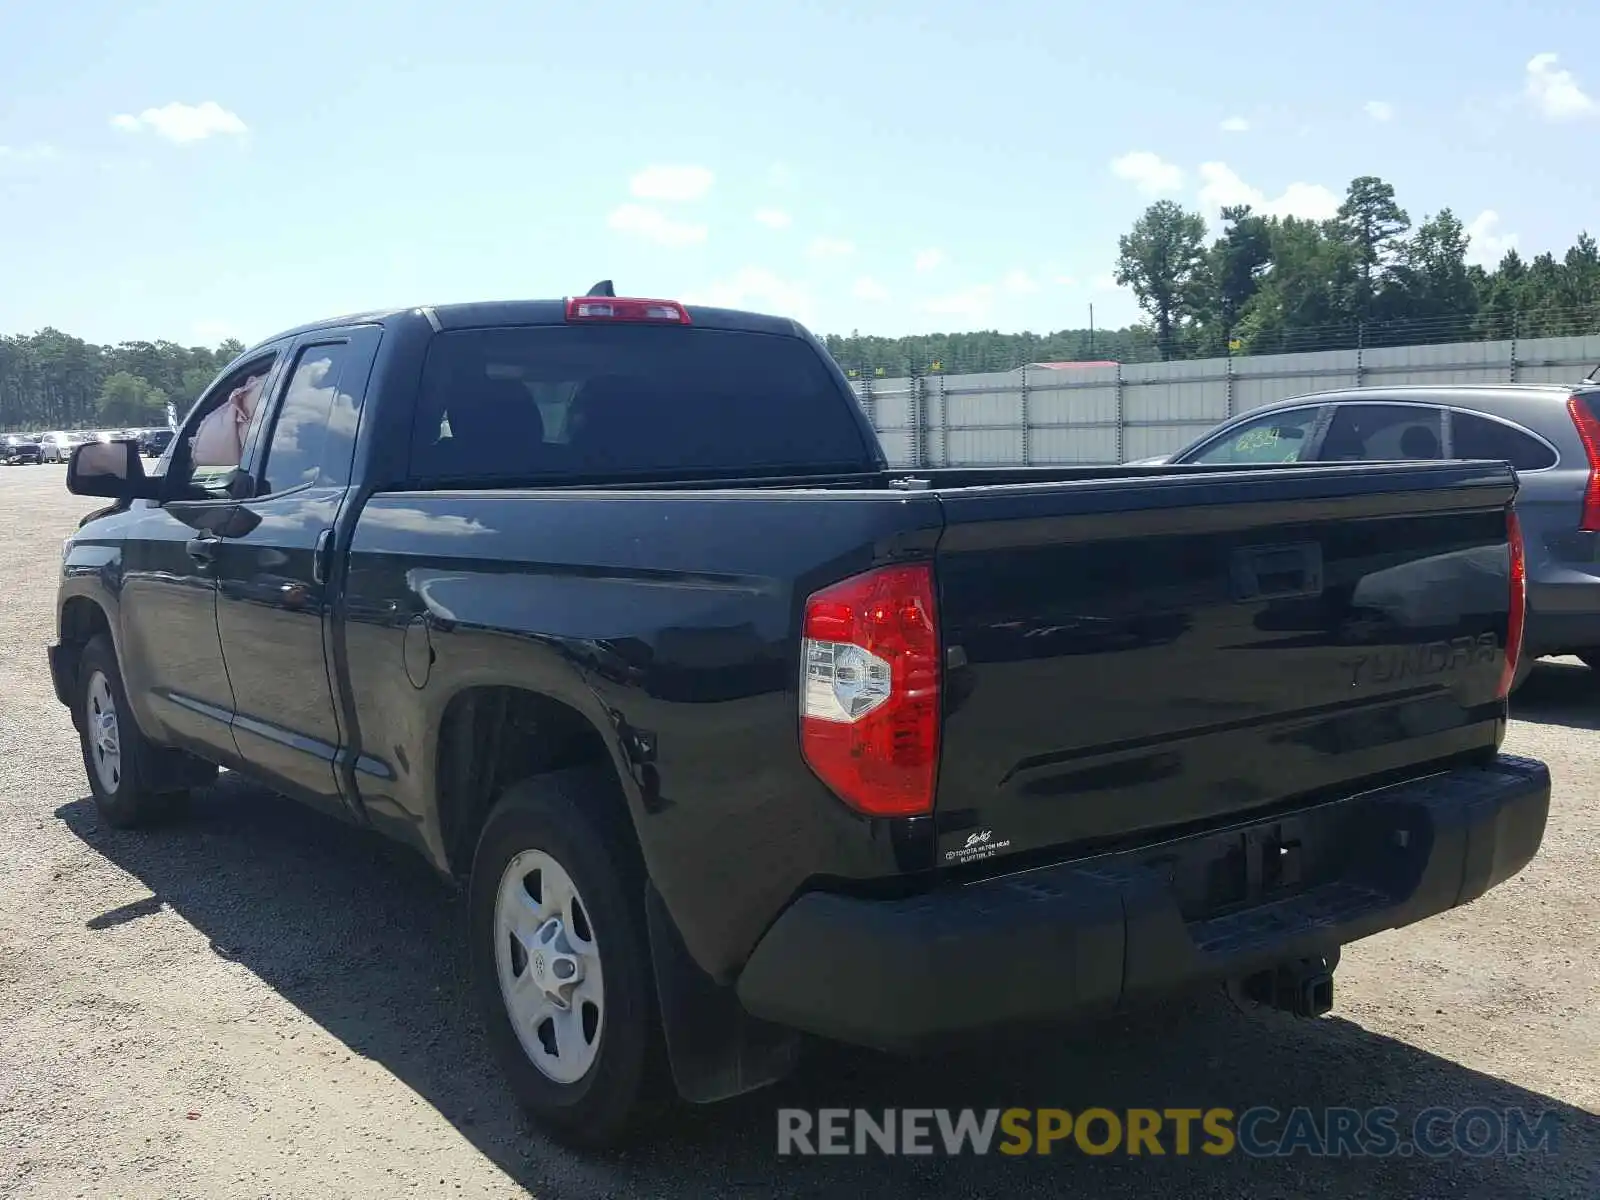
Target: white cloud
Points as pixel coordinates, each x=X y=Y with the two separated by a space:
x=1379 y=110
x=1019 y=282
x=1064 y=280
x=829 y=247
x=637 y=220
x=1555 y=92
x=757 y=289
x=1488 y=247
x=868 y=288
x=211 y=332
x=1311 y=201
x=183 y=123
x=1235 y=125
x=38 y=152
x=671 y=183
x=1148 y=172
x=1222 y=188
x=1106 y=283
x=930 y=259
x=774 y=218
x=973 y=303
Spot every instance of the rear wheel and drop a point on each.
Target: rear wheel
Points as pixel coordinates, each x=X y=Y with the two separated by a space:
x=115 y=753
x=561 y=958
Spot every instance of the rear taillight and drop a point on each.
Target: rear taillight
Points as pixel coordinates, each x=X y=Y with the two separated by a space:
x=626 y=309
x=1517 y=615
x=869 y=690
x=1588 y=427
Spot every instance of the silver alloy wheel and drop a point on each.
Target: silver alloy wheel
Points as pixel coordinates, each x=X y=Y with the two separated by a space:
x=548 y=963
x=105 y=746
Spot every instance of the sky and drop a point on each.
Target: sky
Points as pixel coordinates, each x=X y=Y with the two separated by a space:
x=194 y=171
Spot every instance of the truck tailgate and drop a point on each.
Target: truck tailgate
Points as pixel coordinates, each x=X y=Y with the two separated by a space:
x=1131 y=656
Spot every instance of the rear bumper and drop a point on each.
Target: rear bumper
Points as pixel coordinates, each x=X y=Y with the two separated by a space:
x=1090 y=935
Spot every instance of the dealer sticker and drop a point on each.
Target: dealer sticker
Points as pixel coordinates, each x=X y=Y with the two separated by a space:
x=978 y=846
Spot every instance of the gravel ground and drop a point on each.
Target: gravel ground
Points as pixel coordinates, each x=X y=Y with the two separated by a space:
x=260 y=1001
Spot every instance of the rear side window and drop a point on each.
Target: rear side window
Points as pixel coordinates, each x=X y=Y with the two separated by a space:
x=628 y=401
x=1382 y=433
x=311 y=437
x=1479 y=437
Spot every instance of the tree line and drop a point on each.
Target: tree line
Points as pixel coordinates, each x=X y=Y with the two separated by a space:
x=52 y=380
x=1267 y=284
x=1365 y=275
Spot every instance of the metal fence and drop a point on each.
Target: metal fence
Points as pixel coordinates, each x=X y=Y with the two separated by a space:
x=1088 y=413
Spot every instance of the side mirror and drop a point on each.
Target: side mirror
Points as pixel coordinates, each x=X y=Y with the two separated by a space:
x=110 y=469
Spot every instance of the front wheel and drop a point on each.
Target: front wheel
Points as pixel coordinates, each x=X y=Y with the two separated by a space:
x=561 y=957
x=115 y=753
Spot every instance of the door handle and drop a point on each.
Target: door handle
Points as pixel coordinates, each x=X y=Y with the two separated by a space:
x=321 y=557
x=1277 y=572
x=202 y=549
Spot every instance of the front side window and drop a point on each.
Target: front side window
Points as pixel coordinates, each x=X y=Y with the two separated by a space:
x=219 y=438
x=1279 y=437
x=209 y=451
x=1383 y=433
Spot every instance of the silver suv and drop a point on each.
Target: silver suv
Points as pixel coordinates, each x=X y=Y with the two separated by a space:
x=1550 y=434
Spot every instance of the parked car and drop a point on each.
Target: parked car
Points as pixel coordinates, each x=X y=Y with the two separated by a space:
x=154 y=442
x=612 y=609
x=58 y=446
x=19 y=448
x=1549 y=433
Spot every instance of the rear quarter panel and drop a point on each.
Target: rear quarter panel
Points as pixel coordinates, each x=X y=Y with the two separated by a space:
x=1563 y=562
x=669 y=620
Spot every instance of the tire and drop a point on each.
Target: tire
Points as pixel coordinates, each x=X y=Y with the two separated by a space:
x=120 y=793
x=546 y=837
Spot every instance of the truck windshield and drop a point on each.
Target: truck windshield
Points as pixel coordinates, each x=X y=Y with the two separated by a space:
x=630 y=401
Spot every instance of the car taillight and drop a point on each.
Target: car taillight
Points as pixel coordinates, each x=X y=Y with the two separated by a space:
x=620 y=309
x=1516 y=617
x=869 y=690
x=1588 y=427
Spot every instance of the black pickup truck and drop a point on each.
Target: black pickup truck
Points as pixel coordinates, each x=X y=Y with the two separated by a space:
x=614 y=611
